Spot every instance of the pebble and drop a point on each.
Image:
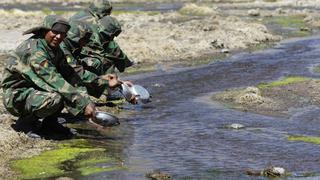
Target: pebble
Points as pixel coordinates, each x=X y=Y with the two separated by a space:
x=225 y=50
x=157 y=175
x=254 y=12
x=236 y=126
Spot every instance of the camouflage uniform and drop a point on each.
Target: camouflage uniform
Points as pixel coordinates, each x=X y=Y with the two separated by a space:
x=97 y=10
x=80 y=31
x=108 y=55
x=105 y=55
x=38 y=81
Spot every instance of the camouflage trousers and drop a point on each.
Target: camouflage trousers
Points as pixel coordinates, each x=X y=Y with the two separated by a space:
x=30 y=102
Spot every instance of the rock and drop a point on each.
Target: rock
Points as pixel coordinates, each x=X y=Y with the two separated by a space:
x=225 y=50
x=157 y=175
x=235 y=126
x=254 y=12
x=305 y=29
x=250 y=96
x=158 y=85
x=252 y=89
x=280 y=11
x=217 y=44
x=274 y=171
x=270 y=172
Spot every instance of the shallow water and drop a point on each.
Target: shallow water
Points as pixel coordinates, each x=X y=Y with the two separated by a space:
x=181 y=132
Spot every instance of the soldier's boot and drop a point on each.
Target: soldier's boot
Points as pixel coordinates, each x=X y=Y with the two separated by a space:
x=52 y=128
x=29 y=125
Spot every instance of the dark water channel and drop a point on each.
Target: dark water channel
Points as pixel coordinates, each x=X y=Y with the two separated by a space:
x=181 y=132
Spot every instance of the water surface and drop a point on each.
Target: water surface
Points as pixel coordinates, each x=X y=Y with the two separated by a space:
x=181 y=132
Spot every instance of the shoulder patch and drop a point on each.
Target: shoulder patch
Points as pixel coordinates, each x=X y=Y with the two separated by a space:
x=69 y=59
x=44 y=64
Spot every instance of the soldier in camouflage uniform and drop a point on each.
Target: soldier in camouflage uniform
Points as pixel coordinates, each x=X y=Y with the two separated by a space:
x=105 y=52
x=38 y=82
x=97 y=10
x=78 y=35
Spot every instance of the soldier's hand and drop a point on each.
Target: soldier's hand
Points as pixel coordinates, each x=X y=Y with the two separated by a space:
x=133 y=100
x=129 y=83
x=113 y=80
x=90 y=111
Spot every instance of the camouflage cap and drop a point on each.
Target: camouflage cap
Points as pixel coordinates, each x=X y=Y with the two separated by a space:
x=109 y=26
x=79 y=30
x=51 y=22
x=101 y=7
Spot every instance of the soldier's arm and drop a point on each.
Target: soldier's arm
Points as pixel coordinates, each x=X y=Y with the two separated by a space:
x=95 y=85
x=114 y=53
x=44 y=69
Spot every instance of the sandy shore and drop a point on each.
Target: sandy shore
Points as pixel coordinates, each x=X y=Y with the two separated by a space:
x=190 y=33
x=193 y=33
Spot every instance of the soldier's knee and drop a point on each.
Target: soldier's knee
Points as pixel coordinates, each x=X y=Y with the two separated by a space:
x=43 y=104
x=57 y=98
x=9 y=103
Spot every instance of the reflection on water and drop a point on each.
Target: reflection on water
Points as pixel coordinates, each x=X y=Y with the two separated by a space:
x=182 y=133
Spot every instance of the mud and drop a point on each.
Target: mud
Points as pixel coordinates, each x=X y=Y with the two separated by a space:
x=279 y=100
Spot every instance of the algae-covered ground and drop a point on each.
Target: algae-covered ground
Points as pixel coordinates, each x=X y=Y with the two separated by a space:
x=274 y=98
x=69 y=159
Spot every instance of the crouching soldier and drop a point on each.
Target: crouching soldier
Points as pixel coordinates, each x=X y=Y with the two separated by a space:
x=38 y=82
x=78 y=36
x=107 y=54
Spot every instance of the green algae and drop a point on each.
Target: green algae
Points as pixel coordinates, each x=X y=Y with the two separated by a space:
x=308 y=139
x=287 y=26
x=80 y=143
x=93 y=161
x=137 y=69
x=283 y=82
x=195 y=10
x=85 y=171
x=288 y=21
x=50 y=163
x=89 y=166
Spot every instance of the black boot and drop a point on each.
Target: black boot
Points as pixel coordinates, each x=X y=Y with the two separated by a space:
x=29 y=125
x=52 y=129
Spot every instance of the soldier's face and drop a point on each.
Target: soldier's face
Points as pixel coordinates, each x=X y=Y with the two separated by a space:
x=54 y=38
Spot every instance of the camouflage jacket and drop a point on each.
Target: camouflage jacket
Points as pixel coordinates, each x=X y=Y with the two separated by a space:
x=35 y=65
x=102 y=45
x=109 y=53
x=94 y=84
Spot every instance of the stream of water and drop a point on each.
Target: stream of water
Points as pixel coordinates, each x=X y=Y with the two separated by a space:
x=181 y=132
